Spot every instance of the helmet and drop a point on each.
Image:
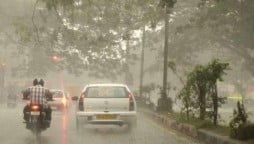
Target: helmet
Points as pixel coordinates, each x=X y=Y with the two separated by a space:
x=35 y=82
x=41 y=82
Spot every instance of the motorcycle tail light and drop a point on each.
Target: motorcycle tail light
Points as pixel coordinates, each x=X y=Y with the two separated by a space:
x=64 y=101
x=35 y=107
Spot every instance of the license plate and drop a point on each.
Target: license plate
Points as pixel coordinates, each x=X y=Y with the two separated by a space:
x=35 y=113
x=105 y=117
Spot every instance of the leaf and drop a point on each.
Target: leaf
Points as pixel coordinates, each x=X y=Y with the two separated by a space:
x=172 y=66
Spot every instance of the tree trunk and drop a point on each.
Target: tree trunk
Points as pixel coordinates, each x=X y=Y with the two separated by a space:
x=188 y=112
x=215 y=104
x=142 y=63
x=202 y=100
x=165 y=69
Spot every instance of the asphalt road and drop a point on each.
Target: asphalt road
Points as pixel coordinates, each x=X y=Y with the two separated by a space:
x=63 y=131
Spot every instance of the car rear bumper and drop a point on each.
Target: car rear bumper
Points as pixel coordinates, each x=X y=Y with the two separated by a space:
x=57 y=106
x=120 y=117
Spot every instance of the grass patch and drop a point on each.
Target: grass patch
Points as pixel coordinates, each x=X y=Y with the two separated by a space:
x=199 y=124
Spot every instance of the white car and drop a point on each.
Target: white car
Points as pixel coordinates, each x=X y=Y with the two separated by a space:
x=60 y=100
x=111 y=104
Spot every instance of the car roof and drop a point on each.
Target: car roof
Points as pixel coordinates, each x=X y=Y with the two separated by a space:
x=105 y=85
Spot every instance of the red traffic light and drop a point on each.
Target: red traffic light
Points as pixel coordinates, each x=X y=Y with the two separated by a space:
x=3 y=64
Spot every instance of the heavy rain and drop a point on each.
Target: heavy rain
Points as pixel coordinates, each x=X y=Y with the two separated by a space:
x=126 y=71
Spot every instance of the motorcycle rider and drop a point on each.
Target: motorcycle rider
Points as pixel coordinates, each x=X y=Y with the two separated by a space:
x=38 y=94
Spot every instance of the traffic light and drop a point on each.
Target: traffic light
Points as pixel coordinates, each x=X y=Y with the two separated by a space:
x=55 y=58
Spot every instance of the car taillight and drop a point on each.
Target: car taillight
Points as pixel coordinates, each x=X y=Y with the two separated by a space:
x=81 y=102
x=131 y=103
x=35 y=107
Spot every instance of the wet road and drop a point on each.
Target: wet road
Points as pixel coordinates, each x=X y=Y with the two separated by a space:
x=63 y=131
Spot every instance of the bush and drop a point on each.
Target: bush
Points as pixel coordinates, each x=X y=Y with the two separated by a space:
x=245 y=131
x=239 y=127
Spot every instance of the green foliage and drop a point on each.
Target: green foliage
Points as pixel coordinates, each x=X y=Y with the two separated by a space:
x=168 y=3
x=216 y=71
x=199 y=124
x=186 y=95
x=97 y=36
x=230 y=25
x=218 y=25
x=50 y=4
x=172 y=66
x=23 y=31
x=200 y=85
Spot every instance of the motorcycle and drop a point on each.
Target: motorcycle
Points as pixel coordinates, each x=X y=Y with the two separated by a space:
x=37 y=122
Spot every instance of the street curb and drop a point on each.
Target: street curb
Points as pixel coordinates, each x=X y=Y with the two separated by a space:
x=189 y=130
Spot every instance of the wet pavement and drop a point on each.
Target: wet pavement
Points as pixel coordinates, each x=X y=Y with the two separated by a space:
x=63 y=131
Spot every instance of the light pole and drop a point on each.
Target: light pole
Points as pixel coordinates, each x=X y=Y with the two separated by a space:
x=163 y=102
x=142 y=64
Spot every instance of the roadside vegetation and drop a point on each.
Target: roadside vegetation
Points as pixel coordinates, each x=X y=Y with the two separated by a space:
x=200 y=101
x=199 y=124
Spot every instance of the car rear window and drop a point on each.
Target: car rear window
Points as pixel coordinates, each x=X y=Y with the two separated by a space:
x=57 y=94
x=106 y=92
